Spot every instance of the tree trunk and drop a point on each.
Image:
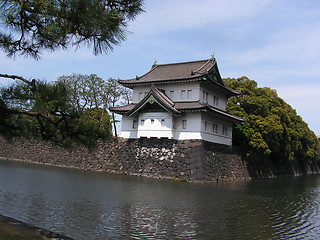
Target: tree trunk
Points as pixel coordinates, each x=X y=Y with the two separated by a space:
x=114 y=125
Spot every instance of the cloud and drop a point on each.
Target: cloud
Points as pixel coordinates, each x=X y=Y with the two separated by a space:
x=284 y=46
x=288 y=53
x=300 y=93
x=165 y=16
x=69 y=55
x=305 y=99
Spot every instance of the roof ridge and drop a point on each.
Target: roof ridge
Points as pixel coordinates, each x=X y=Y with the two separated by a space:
x=198 y=70
x=178 y=63
x=194 y=101
x=153 y=67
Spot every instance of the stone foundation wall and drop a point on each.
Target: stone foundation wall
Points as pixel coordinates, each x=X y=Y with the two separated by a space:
x=158 y=158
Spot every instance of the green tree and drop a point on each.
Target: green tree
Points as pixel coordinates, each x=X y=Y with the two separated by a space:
x=272 y=129
x=37 y=112
x=30 y=27
x=92 y=92
x=87 y=91
x=115 y=92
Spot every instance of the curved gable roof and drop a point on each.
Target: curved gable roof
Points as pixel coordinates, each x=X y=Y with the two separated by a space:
x=155 y=95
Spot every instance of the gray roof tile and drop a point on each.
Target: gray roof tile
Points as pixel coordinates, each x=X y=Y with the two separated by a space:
x=174 y=71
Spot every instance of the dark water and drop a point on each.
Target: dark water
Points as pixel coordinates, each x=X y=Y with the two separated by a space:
x=86 y=205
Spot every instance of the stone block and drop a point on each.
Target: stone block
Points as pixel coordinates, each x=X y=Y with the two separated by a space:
x=160 y=157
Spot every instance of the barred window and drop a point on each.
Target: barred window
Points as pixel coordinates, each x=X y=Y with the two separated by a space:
x=183 y=94
x=189 y=94
x=205 y=125
x=171 y=94
x=163 y=121
x=184 y=124
x=225 y=130
x=216 y=100
x=134 y=124
x=215 y=128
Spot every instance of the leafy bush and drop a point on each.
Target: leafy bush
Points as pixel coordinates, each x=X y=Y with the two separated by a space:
x=272 y=129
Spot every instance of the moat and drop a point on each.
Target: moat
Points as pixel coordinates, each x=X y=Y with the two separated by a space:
x=91 y=205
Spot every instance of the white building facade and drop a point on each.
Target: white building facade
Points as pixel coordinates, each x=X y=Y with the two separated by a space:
x=179 y=101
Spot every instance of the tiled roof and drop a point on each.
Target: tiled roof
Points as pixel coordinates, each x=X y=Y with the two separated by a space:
x=122 y=109
x=204 y=70
x=174 y=71
x=218 y=111
x=189 y=105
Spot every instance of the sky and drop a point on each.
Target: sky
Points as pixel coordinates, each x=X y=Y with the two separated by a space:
x=274 y=42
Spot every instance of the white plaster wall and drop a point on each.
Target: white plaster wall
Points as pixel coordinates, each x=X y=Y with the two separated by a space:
x=208 y=133
x=222 y=102
x=191 y=91
x=155 y=124
x=139 y=92
x=193 y=127
x=127 y=130
x=164 y=125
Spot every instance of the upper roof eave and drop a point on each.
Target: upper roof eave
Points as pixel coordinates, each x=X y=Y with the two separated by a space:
x=133 y=82
x=230 y=91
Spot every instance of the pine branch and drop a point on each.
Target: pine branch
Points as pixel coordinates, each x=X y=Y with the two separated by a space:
x=32 y=114
x=15 y=77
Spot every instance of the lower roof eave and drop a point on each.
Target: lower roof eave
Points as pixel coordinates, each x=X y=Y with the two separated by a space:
x=158 y=82
x=118 y=112
x=234 y=119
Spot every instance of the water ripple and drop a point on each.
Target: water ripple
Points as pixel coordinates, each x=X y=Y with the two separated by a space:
x=101 y=206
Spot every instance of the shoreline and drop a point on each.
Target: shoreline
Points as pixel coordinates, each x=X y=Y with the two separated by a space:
x=187 y=161
x=191 y=160
x=178 y=179
x=11 y=228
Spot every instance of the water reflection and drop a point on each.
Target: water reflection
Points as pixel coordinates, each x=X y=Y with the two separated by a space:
x=86 y=205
